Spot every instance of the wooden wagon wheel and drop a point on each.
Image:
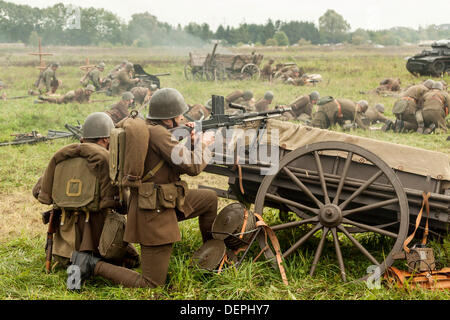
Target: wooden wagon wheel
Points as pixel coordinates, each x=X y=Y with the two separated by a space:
x=188 y=72
x=324 y=198
x=251 y=70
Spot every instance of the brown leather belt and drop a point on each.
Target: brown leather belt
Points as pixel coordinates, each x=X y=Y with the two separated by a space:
x=339 y=109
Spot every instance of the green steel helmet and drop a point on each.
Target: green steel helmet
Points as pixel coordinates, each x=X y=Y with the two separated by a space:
x=55 y=64
x=314 y=96
x=101 y=65
x=247 y=95
x=127 y=96
x=166 y=103
x=429 y=83
x=97 y=125
x=268 y=95
x=438 y=85
x=379 y=107
x=90 y=87
x=364 y=105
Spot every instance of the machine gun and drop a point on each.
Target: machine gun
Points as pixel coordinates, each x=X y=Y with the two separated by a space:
x=146 y=79
x=34 y=136
x=218 y=118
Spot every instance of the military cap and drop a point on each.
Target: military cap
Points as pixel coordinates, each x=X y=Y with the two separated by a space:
x=268 y=95
x=438 y=85
x=127 y=96
x=379 y=107
x=247 y=95
x=97 y=125
x=90 y=87
x=314 y=96
x=166 y=103
x=429 y=83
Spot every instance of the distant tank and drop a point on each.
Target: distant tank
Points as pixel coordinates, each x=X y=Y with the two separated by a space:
x=432 y=62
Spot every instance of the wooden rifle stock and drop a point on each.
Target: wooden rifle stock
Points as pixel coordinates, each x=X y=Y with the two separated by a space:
x=49 y=244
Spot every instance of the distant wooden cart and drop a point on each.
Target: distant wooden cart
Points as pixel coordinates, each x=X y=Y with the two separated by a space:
x=214 y=66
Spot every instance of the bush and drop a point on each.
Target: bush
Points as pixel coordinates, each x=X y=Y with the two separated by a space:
x=303 y=42
x=271 y=42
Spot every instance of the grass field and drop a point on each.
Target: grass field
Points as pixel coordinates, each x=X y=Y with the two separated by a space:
x=346 y=71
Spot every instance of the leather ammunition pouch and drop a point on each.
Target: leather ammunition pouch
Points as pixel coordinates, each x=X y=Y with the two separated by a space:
x=162 y=196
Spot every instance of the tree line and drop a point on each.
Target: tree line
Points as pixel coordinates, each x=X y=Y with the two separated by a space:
x=63 y=25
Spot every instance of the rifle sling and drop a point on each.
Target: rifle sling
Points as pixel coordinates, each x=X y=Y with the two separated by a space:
x=153 y=171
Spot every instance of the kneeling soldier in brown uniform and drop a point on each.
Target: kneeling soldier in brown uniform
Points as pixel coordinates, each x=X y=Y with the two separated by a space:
x=302 y=107
x=435 y=108
x=120 y=111
x=163 y=198
x=338 y=111
x=264 y=103
x=76 y=182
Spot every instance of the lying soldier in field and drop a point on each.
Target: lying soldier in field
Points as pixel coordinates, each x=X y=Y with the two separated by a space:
x=81 y=95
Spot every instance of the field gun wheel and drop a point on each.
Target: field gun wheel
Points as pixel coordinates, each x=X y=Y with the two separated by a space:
x=251 y=71
x=342 y=193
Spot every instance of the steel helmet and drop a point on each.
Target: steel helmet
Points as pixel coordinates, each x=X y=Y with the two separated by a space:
x=127 y=96
x=166 y=103
x=438 y=85
x=364 y=105
x=97 y=125
x=101 y=65
x=129 y=66
x=247 y=95
x=268 y=95
x=429 y=83
x=314 y=96
x=379 y=107
x=208 y=104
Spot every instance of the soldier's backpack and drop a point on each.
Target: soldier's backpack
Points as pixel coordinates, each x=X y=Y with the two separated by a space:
x=325 y=100
x=127 y=150
x=399 y=106
x=75 y=186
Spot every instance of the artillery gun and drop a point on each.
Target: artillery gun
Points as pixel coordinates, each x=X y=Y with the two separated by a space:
x=434 y=62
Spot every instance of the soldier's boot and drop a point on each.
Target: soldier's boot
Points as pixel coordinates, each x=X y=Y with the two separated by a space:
x=388 y=125
x=421 y=128
x=398 y=126
x=86 y=262
x=430 y=129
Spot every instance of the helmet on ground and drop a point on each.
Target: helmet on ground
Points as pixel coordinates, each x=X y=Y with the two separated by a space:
x=429 y=83
x=268 y=95
x=209 y=255
x=97 y=125
x=379 y=107
x=247 y=95
x=438 y=85
x=127 y=96
x=166 y=103
x=364 y=105
x=314 y=96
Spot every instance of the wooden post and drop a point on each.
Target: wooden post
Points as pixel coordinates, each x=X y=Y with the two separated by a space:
x=42 y=65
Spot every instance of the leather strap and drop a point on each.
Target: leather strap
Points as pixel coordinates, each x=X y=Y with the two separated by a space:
x=339 y=108
x=153 y=171
x=409 y=99
x=276 y=245
x=419 y=218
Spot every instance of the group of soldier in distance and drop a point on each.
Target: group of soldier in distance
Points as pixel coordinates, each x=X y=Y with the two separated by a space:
x=158 y=198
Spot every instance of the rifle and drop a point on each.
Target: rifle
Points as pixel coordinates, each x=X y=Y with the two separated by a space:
x=219 y=119
x=50 y=231
x=34 y=136
x=106 y=100
x=15 y=98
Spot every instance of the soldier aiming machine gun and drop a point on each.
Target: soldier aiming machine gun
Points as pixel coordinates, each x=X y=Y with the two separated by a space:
x=219 y=119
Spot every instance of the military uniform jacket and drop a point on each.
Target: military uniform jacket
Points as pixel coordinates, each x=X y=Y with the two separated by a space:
x=346 y=111
x=118 y=112
x=416 y=92
x=123 y=77
x=262 y=105
x=48 y=76
x=437 y=100
x=374 y=115
x=302 y=105
x=150 y=227
x=94 y=77
x=140 y=93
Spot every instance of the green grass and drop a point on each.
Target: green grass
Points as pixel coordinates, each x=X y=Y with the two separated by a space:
x=346 y=73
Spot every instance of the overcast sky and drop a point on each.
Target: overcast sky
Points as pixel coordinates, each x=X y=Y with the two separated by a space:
x=366 y=14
